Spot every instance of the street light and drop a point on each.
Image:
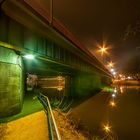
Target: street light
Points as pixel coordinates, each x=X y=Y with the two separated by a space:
x=114 y=73
x=29 y=56
x=110 y=64
x=107 y=128
x=112 y=70
x=103 y=50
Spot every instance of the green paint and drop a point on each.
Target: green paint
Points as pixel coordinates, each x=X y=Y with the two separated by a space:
x=11 y=84
x=85 y=84
x=58 y=58
x=30 y=105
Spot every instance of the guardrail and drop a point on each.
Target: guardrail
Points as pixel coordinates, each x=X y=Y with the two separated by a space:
x=46 y=103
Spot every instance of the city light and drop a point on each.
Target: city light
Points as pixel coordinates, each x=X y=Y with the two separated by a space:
x=121 y=89
x=129 y=77
x=110 y=64
x=115 y=90
x=112 y=70
x=113 y=95
x=120 y=75
x=29 y=56
x=107 y=128
x=59 y=88
x=112 y=103
x=114 y=73
x=60 y=78
x=103 y=49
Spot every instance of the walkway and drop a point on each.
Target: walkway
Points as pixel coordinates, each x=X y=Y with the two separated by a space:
x=31 y=127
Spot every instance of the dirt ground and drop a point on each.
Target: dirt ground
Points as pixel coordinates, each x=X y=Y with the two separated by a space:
x=68 y=128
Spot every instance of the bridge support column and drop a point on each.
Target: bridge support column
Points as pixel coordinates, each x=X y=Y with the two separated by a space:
x=11 y=82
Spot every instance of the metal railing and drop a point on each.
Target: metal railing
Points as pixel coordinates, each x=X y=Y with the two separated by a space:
x=52 y=124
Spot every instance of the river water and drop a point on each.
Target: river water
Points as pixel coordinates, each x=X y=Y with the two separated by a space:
x=112 y=115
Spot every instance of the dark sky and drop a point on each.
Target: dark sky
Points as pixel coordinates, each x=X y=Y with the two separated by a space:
x=92 y=21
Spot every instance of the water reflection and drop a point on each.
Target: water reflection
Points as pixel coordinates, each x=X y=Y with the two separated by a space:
x=125 y=117
x=129 y=89
x=112 y=103
x=113 y=116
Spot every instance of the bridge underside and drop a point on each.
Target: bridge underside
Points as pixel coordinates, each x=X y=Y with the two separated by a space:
x=55 y=55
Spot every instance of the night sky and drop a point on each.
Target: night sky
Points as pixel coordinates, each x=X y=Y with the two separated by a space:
x=117 y=22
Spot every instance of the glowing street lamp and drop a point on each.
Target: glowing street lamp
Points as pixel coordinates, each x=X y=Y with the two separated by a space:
x=112 y=70
x=115 y=90
x=114 y=73
x=107 y=128
x=103 y=50
x=113 y=95
x=29 y=56
x=110 y=64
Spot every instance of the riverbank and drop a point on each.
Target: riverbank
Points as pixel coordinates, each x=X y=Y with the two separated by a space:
x=68 y=128
x=127 y=82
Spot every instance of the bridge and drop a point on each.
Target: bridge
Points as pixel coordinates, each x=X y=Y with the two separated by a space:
x=63 y=66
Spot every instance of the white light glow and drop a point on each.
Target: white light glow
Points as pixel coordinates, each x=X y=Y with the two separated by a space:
x=112 y=70
x=113 y=95
x=115 y=90
x=114 y=73
x=129 y=77
x=29 y=56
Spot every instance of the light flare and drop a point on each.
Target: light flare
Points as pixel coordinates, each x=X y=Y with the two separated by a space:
x=110 y=64
x=29 y=56
x=113 y=95
x=115 y=90
x=59 y=88
x=107 y=128
x=112 y=103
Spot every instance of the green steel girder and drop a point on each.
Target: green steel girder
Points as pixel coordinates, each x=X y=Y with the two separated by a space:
x=45 y=64
x=22 y=13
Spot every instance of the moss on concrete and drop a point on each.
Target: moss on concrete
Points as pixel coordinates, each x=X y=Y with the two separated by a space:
x=30 y=105
x=11 y=86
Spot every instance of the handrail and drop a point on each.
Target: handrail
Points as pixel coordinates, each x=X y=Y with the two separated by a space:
x=50 y=114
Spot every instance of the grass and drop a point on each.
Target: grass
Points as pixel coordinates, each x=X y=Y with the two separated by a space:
x=31 y=104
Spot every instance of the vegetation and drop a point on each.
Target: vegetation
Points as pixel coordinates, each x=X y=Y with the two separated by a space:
x=68 y=128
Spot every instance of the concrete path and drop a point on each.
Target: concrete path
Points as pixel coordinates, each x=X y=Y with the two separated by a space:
x=31 y=127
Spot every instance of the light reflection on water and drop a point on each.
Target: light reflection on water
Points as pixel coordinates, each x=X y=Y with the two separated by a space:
x=119 y=111
x=126 y=117
x=127 y=89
